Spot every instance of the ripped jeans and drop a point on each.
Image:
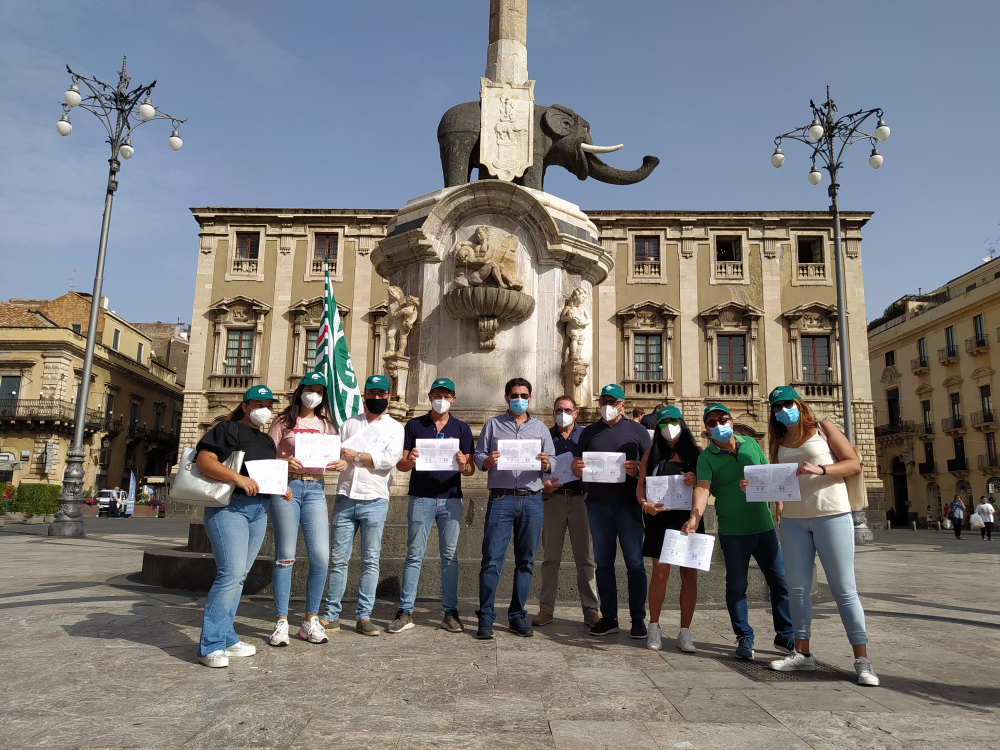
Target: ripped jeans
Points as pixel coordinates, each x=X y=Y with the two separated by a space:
x=308 y=509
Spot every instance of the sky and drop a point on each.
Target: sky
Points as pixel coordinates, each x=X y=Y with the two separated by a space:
x=335 y=104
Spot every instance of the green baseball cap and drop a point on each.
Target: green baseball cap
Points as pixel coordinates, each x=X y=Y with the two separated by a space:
x=377 y=383
x=258 y=393
x=782 y=393
x=313 y=378
x=444 y=383
x=614 y=390
x=715 y=407
x=667 y=413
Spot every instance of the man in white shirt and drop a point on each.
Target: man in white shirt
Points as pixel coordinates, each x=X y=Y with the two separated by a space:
x=986 y=512
x=372 y=444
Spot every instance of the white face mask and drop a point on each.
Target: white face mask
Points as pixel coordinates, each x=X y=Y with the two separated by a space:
x=564 y=420
x=609 y=412
x=260 y=416
x=671 y=431
x=312 y=399
x=440 y=405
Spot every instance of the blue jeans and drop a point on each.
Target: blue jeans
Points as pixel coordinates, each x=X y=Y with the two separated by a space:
x=349 y=518
x=421 y=514
x=737 y=549
x=236 y=533
x=621 y=523
x=520 y=516
x=833 y=538
x=308 y=508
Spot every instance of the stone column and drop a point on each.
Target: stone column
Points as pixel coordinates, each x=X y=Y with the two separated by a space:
x=359 y=309
x=507 y=55
x=278 y=351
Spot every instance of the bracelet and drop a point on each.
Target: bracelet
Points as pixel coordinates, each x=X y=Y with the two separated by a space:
x=824 y=470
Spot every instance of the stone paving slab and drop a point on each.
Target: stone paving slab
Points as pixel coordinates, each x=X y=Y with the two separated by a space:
x=94 y=658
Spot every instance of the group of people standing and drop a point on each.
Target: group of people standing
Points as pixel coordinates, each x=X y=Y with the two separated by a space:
x=529 y=506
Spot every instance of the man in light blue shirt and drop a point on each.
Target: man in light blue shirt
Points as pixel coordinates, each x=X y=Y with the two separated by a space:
x=515 y=507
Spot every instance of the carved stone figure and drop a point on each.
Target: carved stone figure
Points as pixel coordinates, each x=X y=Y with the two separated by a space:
x=560 y=137
x=574 y=372
x=403 y=311
x=505 y=147
x=576 y=316
x=487 y=260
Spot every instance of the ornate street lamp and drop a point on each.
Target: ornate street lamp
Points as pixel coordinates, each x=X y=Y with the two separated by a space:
x=829 y=137
x=120 y=111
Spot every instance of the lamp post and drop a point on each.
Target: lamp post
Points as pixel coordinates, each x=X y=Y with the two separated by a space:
x=829 y=136
x=120 y=111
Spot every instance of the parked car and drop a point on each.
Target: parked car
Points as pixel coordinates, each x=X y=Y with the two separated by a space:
x=104 y=498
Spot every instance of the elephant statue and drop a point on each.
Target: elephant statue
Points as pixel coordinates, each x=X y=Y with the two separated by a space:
x=561 y=138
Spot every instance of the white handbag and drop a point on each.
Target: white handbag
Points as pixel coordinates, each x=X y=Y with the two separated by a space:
x=190 y=486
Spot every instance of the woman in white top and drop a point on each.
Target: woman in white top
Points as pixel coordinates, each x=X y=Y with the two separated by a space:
x=987 y=513
x=820 y=523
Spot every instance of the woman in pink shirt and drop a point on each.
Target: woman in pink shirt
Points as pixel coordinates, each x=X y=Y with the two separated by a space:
x=308 y=412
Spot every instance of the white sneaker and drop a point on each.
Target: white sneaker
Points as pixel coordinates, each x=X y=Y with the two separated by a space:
x=280 y=635
x=794 y=662
x=241 y=649
x=312 y=630
x=684 y=641
x=215 y=659
x=653 y=637
x=866 y=672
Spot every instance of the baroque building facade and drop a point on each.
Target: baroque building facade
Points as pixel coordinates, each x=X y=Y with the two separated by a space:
x=932 y=374
x=699 y=306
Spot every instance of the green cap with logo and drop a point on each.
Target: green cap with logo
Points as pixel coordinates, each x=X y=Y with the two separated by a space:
x=377 y=383
x=782 y=393
x=313 y=378
x=444 y=383
x=258 y=393
x=715 y=407
x=614 y=390
x=667 y=413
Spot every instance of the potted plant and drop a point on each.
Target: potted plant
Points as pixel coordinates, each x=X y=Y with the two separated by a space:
x=15 y=511
x=49 y=504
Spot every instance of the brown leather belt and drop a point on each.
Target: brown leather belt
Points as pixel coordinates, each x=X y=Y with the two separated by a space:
x=306 y=477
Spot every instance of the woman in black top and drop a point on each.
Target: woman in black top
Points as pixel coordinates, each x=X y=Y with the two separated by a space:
x=673 y=452
x=235 y=530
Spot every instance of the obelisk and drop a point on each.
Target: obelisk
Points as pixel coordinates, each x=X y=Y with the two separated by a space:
x=506 y=95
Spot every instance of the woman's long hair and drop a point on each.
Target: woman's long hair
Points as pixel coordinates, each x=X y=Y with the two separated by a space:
x=237 y=414
x=291 y=412
x=776 y=430
x=685 y=447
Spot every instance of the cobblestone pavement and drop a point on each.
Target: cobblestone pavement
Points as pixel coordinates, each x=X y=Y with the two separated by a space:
x=92 y=657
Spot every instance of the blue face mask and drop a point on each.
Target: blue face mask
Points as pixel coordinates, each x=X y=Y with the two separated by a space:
x=518 y=405
x=722 y=432
x=788 y=417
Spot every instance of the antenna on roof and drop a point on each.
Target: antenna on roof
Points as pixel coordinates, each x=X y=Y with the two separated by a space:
x=992 y=248
x=70 y=279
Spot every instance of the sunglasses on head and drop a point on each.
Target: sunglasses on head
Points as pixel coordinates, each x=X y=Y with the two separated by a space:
x=716 y=422
x=779 y=405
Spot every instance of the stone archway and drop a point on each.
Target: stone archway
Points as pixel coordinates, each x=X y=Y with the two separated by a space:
x=900 y=493
x=934 y=500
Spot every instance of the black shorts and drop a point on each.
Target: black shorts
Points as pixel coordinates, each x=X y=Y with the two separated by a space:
x=655 y=526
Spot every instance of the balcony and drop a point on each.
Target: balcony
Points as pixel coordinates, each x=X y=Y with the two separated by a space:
x=953 y=425
x=732 y=390
x=958 y=465
x=988 y=464
x=112 y=426
x=900 y=429
x=812 y=271
x=925 y=430
x=161 y=438
x=987 y=419
x=38 y=413
x=646 y=269
x=135 y=433
x=920 y=365
x=927 y=469
x=232 y=382
x=729 y=270
x=977 y=345
x=819 y=391
x=316 y=266
x=948 y=355
x=246 y=267
x=645 y=388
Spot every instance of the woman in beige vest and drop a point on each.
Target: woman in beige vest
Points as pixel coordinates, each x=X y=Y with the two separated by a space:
x=821 y=523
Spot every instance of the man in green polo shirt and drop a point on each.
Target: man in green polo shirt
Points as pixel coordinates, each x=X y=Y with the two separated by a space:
x=745 y=529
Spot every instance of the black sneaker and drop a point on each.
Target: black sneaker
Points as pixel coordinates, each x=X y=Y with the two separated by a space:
x=785 y=647
x=485 y=632
x=403 y=621
x=638 y=629
x=451 y=623
x=605 y=627
x=519 y=627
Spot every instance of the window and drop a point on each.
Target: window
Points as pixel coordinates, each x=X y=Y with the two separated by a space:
x=77 y=327
x=925 y=407
x=960 y=449
x=810 y=250
x=311 y=339
x=239 y=352
x=949 y=337
x=116 y=339
x=970 y=287
x=133 y=415
x=138 y=353
x=986 y=399
x=648 y=357
x=922 y=353
x=991 y=447
x=732 y=358
x=10 y=387
x=816 y=359
x=647 y=256
x=728 y=250
x=955 y=400
x=892 y=405
x=980 y=329
x=929 y=456
x=109 y=405
x=890 y=359
x=247 y=252
x=325 y=250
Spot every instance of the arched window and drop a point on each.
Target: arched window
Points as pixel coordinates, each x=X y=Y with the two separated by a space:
x=964 y=489
x=934 y=497
x=993 y=488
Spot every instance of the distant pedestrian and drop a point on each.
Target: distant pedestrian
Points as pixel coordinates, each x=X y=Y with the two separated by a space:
x=890 y=516
x=930 y=516
x=638 y=414
x=649 y=421
x=956 y=512
x=986 y=512
x=114 y=504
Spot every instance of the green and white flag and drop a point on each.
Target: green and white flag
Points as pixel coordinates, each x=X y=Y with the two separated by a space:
x=334 y=361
